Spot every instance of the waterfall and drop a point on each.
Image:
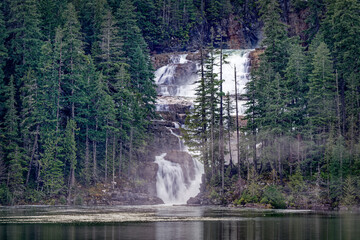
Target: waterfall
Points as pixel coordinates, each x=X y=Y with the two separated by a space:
x=176 y=84
x=178 y=137
x=170 y=181
x=179 y=78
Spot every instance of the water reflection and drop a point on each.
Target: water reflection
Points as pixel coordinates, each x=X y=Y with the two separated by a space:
x=184 y=223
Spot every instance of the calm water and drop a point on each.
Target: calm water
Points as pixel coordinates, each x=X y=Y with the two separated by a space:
x=174 y=222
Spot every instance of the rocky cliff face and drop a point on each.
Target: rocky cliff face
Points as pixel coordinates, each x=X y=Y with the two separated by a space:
x=255 y=58
x=241 y=30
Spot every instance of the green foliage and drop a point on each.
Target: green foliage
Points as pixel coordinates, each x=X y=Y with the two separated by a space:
x=69 y=145
x=5 y=195
x=78 y=200
x=73 y=74
x=33 y=195
x=248 y=197
x=349 y=192
x=321 y=90
x=51 y=168
x=272 y=195
x=296 y=182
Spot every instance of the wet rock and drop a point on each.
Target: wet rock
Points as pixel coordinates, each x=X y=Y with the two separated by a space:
x=193 y=201
x=255 y=57
x=297 y=22
x=159 y=60
x=184 y=73
x=148 y=174
x=186 y=162
x=235 y=34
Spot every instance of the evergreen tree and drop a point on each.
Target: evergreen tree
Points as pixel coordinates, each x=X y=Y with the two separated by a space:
x=15 y=179
x=296 y=89
x=91 y=14
x=3 y=58
x=30 y=116
x=342 y=28
x=275 y=35
x=50 y=16
x=51 y=168
x=69 y=153
x=24 y=38
x=10 y=133
x=110 y=59
x=102 y=111
x=321 y=96
x=139 y=67
x=73 y=59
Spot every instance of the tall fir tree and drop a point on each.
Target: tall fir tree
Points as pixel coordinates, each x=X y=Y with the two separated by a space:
x=24 y=38
x=3 y=58
x=322 y=89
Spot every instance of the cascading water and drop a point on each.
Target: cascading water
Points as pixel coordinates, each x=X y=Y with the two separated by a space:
x=170 y=181
x=179 y=78
x=176 y=83
x=181 y=144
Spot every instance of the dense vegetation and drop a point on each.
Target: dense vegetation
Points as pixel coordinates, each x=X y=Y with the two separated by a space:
x=77 y=94
x=303 y=113
x=76 y=87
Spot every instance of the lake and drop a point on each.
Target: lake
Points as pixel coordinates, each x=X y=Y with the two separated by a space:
x=174 y=222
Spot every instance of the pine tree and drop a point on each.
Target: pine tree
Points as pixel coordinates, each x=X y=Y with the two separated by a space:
x=110 y=59
x=91 y=14
x=349 y=192
x=341 y=29
x=275 y=35
x=10 y=133
x=51 y=168
x=296 y=89
x=73 y=59
x=15 y=179
x=69 y=153
x=50 y=16
x=30 y=117
x=136 y=52
x=3 y=58
x=24 y=37
x=321 y=96
x=102 y=111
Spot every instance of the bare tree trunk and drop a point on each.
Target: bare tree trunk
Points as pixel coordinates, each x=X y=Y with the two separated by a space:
x=229 y=135
x=237 y=125
x=94 y=154
x=221 y=144
x=339 y=125
x=130 y=150
x=58 y=94
x=113 y=160
x=32 y=154
x=87 y=154
x=279 y=162
x=106 y=154
x=120 y=158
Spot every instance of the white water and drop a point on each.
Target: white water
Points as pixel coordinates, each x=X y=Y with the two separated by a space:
x=178 y=79
x=170 y=181
x=176 y=82
x=240 y=59
x=181 y=144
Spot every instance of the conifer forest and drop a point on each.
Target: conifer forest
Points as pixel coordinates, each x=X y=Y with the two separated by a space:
x=78 y=98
